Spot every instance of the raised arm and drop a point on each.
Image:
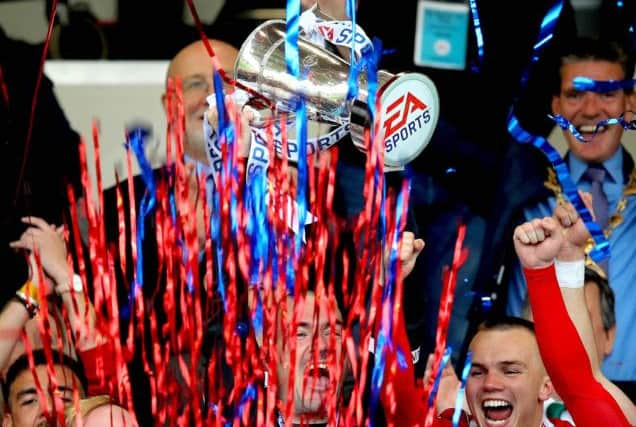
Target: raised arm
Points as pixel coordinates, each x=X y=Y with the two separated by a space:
x=570 y=270
x=13 y=317
x=48 y=242
x=93 y=349
x=537 y=244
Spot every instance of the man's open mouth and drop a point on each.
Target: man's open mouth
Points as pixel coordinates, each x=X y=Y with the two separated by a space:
x=497 y=411
x=591 y=130
x=318 y=376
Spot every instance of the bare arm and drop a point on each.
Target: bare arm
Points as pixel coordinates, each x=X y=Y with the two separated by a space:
x=81 y=314
x=49 y=243
x=12 y=320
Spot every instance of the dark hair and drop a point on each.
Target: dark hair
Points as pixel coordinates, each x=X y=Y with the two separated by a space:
x=504 y=323
x=586 y=49
x=607 y=297
x=21 y=364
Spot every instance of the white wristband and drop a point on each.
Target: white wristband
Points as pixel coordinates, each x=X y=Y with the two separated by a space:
x=570 y=274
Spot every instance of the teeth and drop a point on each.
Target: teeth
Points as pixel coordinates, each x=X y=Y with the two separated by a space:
x=590 y=128
x=496 y=422
x=320 y=366
x=495 y=403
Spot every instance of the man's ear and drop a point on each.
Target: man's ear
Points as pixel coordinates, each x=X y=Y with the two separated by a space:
x=608 y=343
x=631 y=103
x=7 y=421
x=546 y=390
x=556 y=109
x=164 y=101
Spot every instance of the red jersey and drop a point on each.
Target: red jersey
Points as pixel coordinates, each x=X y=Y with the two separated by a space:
x=564 y=355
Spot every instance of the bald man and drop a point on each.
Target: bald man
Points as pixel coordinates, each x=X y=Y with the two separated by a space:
x=193 y=67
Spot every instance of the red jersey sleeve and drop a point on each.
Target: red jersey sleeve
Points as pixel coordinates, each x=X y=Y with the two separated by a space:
x=565 y=357
x=99 y=369
x=403 y=399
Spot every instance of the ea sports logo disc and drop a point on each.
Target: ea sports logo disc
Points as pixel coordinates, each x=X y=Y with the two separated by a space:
x=410 y=109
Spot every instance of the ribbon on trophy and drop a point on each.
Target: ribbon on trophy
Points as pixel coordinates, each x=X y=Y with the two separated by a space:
x=317 y=29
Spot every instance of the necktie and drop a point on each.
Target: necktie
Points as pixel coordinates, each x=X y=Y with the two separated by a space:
x=595 y=174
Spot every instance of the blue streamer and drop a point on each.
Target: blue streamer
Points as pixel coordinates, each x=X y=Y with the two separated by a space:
x=547 y=28
x=301 y=185
x=586 y=84
x=438 y=375
x=353 y=69
x=292 y=58
x=248 y=395
x=148 y=203
x=617 y=121
x=601 y=249
x=292 y=62
x=545 y=34
x=565 y=124
x=401 y=359
x=229 y=174
x=257 y=317
x=479 y=36
x=257 y=225
x=215 y=235
x=260 y=237
x=227 y=135
x=385 y=341
x=462 y=390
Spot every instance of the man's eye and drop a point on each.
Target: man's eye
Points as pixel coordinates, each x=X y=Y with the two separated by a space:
x=573 y=94
x=194 y=85
x=28 y=402
x=301 y=334
x=476 y=373
x=610 y=95
x=512 y=372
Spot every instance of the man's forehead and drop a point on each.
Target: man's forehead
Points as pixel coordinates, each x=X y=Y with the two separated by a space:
x=64 y=376
x=311 y=304
x=592 y=69
x=508 y=344
x=195 y=59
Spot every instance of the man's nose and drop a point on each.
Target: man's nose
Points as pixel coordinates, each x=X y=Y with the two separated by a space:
x=322 y=346
x=493 y=381
x=591 y=104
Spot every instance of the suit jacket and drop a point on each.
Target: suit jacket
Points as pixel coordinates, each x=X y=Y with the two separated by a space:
x=52 y=157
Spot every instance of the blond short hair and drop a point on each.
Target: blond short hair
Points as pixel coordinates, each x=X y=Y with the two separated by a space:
x=85 y=406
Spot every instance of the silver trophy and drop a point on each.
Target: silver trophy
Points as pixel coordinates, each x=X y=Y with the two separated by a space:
x=408 y=106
